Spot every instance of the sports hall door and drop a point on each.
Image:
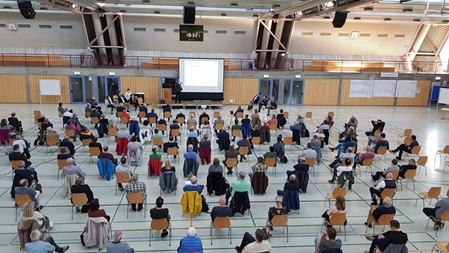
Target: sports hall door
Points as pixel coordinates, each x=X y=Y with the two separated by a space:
x=84 y=87
x=284 y=91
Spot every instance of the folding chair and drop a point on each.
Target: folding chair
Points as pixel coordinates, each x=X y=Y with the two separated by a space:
x=174 y=152
x=20 y=200
x=311 y=163
x=135 y=198
x=279 y=221
x=271 y=162
x=336 y=219
x=221 y=222
x=160 y=224
x=78 y=199
x=384 y=220
x=338 y=191
x=433 y=193
x=422 y=160
x=409 y=175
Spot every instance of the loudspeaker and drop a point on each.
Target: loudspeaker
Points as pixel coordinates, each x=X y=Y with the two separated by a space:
x=26 y=8
x=189 y=15
x=339 y=19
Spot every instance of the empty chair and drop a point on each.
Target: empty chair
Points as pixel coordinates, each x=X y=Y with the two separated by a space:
x=422 y=160
x=271 y=162
x=382 y=151
x=440 y=247
x=433 y=193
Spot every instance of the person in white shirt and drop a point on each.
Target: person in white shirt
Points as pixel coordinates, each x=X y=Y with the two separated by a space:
x=345 y=166
x=309 y=152
x=250 y=244
x=230 y=120
x=286 y=132
x=128 y=95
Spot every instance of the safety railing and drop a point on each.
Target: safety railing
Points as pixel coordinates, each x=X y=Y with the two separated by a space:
x=164 y=63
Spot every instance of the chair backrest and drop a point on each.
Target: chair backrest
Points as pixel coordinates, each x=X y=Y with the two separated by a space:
x=288 y=140
x=123 y=120
x=376 y=133
x=308 y=115
x=445 y=216
x=434 y=192
x=162 y=127
x=330 y=114
x=88 y=114
x=119 y=114
x=140 y=100
x=135 y=197
x=382 y=150
x=218 y=126
x=193 y=112
x=231 y=162
x=115 y=98
x=152 y=120
x=216 y=114
x=167 y=114
x=222 y=222
x=94 y=120
x=62 y=163
x=407 y=132
x=70 y=132
x=190 y=125
x=236 y=132
x=286 y=114
x=51 y=141
x=338 y=218
x=407 y=140
x=15 y=164
x=239 y=115
x=159 y=224
x=256 y=140
x=273 y=126
x=280 y=220
x=385 y=219
x=410 y=174
x=122 y=177
x=270 y=162
x=388 y=192
x=158 y=141
x=172 y=151
x=79 y=199
x=181 y=120
x=415 y=150
x=21 y=199
x=175 y=132
x=339 y=191
x=395 y=174
x=112 y=131
x=310 y=161
x=86 y=142
x=243 y=150
x=37 y=113
x=446 y=149
x=367 y=162
x=422 y=160
x=94 y=151
x=142 y=114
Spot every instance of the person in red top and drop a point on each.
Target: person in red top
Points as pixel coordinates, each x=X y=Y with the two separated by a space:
x=273 y=120
x=126 y=115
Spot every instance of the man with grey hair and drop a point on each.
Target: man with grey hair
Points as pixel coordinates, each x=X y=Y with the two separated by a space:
x=117 y=246
x=38 y=246
x=219 y=120
x=72 y=169
x=239 y=185
x=190 y=243
x=193 y=186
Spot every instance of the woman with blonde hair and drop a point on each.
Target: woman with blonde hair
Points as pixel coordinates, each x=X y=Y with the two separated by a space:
x=168 y=166
x=339 y=207
x=29 y=212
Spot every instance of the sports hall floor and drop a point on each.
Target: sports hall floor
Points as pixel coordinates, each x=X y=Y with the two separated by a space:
x=431 y=130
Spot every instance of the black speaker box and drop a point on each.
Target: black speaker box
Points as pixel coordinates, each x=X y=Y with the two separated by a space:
x=189 y=15
x=26 y=8
x=339 y=19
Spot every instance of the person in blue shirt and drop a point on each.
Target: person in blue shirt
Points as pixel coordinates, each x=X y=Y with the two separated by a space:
x=37 y=245
x=190 y=243
x=193 y=186
x=381 y=141
x=190 y=154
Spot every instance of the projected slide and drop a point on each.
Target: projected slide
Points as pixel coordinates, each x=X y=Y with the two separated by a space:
x=201 y=75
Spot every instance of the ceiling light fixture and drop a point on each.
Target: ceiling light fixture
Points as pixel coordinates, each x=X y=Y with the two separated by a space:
x=355 y=35
x=234 y=4
x=368 y=8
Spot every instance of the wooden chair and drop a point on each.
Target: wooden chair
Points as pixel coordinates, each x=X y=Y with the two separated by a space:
x=167 y=114
x=152 y=120
x=158 y=142
x=279 y=221
x=121 y=178
x=288 y=141
x=336 y=219
x=61 y=164
x=433 y=193
x=440 y=247
x=193 y=112
x=162 y=127
x=70 y=133
x=20 y=200
x=87 y=115
x=135 y=198
x=244 y=151
x=94 y=120
x=11 y=141
x=256 y=141
x=286 y=114
x=140 y=100
x=160 y=224
x=384 y=220
x=308 y=115
x=338 y=191
x=382 y=151
x=216 y=114
x=395 y=174
x=112 y=132
x=15 y=164
x=176 y=132
x=124 y=120
x=218 y=126
x=239 y=115
x=236 y=133
x=273 y=127
x=221 y=222
x=414 y=152
x=174 y=152
x=86 y=143
x=271 y=162
x=409 y=176
x=93 y=152
x=311 y=163
x=233 y=163
x=367 y=163
x=422 y=160
x=443 y=218
x=181 y=120
x=51 y=141
x=190 y=125
x=407 y=133
x=331 y=114
x=78 y=199
x=388 y=192
x=142 y=115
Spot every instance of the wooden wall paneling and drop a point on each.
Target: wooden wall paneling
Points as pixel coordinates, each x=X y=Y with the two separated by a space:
x=421 y=98
x=346 y=100
x=35 y=93
x=321 y=91
x=13 y=89
x=241 y=90
x=146 y=84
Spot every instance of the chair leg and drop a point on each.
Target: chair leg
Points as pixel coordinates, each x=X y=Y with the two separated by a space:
x=286 y=228
x=149 y=238
x=416 y=203
x=230 y=236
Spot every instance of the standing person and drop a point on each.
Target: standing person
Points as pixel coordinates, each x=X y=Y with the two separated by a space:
x=128 y=94
x=178 y=89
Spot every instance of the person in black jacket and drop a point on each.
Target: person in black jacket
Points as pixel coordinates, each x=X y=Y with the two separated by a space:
x=80 y=187
x=15 y=122
x=405 y=147
x=158 y=212
x=394 y=236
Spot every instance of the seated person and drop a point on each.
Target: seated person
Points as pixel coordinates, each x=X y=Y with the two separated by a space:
x=37 y=245
x=158 y=212
x=394 y=236
x=393 y=167
x=328 y=240
x=222 y=210
x=349 y=154
x=180 y=115
x=203 y=117
x=269 y=154
x=369 y=154
x=381 y=141
x=190 y=243
x=244 y=143
x=308 y=152
x=376 y=211
x=239 y=109
x=175 y=125
x=193 y=186
x=80 y=187
x=377 y=125
x=123 y=167
x=435 y=213
x=301 y=166
x=339 y=207
x=170 y=144
x=86 y=134
x=107 y=155
x=236 y=126
x=95 y=211
x=136 y=186
x=162 y=121
x=239 y=185
x=20 y=173
x=152 y=114
x=67 y=143
x=168 y=166
x=33 y=194
x=63 y=155
x=117 y=245
x=281 y=119
x=250 y=244
x=404 y=168
x=405 y=147
x=290 y=185
x=16 y=155
x=231 y=153
x=278 y=209
x=389 y=182
x=96 y=144
x=346 y=166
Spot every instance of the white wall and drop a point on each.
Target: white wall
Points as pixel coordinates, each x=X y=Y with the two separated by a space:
x=337 y=45
x=36 y=37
